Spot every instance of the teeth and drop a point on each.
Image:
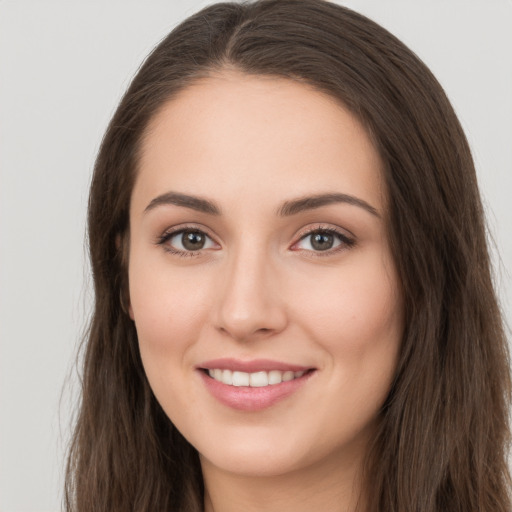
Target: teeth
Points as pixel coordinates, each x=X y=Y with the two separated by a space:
x=255 y=380
x=258 y=379
x=240 y=379
x=275 y=377
x=288 y=376
x=227 y=377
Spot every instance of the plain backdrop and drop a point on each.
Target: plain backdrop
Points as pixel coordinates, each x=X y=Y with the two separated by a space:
x=63 y=68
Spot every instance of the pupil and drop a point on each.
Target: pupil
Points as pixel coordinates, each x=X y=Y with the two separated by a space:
x=193 y=240
x=322 y=241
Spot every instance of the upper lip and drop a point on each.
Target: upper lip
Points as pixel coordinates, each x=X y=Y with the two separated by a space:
x=256 y=365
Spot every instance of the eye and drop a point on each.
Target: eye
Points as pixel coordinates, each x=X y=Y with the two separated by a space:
x=322 y=240
x=187 y=241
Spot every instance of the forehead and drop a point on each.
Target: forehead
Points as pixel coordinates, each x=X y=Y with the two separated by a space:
x=233 y=132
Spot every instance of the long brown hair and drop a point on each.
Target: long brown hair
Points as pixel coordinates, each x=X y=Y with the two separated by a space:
x=443 y=432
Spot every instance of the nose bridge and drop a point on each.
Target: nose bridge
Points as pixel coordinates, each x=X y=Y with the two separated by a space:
x=250 y=304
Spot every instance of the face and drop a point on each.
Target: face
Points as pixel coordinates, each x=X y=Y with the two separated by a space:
x=261 y=282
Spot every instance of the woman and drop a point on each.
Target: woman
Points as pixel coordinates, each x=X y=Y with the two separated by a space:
x=294 y=306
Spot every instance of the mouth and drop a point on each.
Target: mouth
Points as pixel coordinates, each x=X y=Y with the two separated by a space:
x=258 y=379
x=253 y=385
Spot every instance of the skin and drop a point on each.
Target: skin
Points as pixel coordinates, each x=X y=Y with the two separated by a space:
x=258 y=288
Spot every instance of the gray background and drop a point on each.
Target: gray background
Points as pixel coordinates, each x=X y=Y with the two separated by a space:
x=63 y=68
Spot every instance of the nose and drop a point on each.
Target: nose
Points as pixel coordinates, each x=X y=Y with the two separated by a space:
x=250 y=305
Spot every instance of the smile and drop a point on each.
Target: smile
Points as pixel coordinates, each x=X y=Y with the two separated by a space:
x=254 y=380
x=253 y=385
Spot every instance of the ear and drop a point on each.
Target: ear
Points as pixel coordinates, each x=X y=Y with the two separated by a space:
x=124 y=300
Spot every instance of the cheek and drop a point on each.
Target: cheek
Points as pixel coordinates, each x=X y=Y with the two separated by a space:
x=168 y=311
x=356 y=319
x=356 y=316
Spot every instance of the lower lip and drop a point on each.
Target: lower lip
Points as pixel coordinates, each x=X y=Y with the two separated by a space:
x=246 y=398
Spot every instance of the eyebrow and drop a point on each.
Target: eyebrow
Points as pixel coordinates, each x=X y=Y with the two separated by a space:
x=319 y=200
x=287 y=209
x=178 y=199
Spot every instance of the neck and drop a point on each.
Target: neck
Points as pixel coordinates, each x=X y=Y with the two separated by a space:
x=329 y=487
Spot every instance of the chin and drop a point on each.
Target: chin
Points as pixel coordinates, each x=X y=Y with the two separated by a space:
x=261 y=464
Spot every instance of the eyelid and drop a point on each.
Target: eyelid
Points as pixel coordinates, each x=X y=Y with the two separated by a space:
x=348 y=240
x=170 y=232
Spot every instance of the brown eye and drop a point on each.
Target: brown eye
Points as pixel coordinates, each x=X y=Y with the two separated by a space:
x=322 y=241
x=193 y=240
x=187 y=241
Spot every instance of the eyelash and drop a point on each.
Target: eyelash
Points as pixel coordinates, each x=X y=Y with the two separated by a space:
x=346 y=242
x=167 y=235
